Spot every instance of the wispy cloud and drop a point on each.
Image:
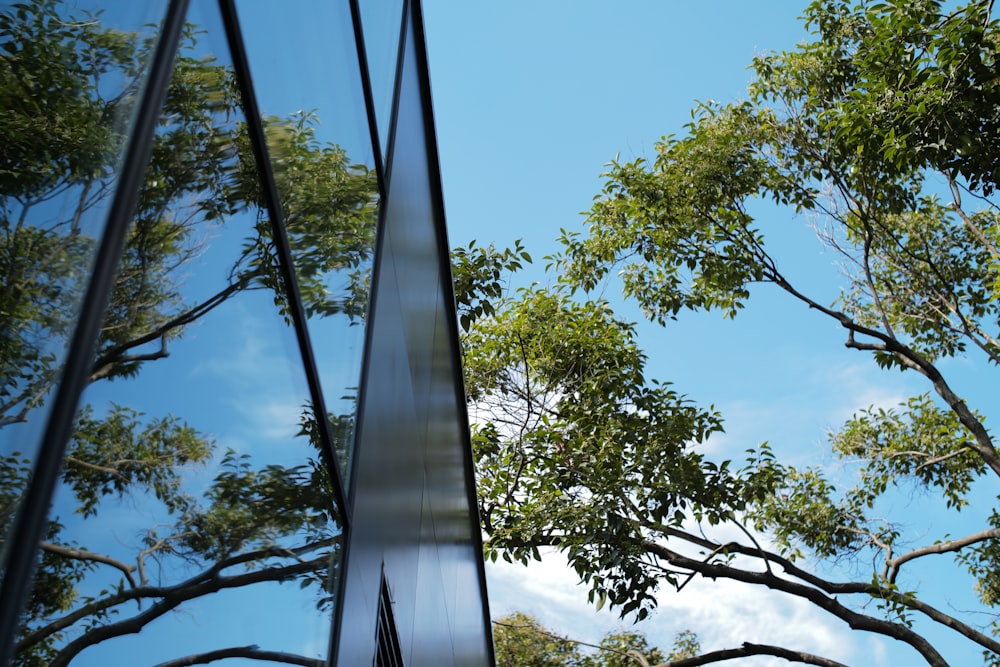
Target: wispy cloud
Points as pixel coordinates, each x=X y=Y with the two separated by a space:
x=723 y=614
x=796 y=421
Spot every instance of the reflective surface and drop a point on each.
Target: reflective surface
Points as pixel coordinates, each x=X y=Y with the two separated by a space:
x=69 y=79
x=412 y=516
x=381 y=21
x=194 y=507
x=305 y=69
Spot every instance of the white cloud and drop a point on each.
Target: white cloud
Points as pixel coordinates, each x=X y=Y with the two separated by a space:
x=861 y=386
x=723 y=613
x=796 y=421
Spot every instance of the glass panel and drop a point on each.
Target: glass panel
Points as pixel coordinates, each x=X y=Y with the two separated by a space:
x=381 y=21
x=69 y=78
x=305 y=71
x=194 y=520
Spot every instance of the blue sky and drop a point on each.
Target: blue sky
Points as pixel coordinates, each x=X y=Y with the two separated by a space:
x=531 y=100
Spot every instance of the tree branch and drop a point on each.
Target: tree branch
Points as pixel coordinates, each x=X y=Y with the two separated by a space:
x=910 y=358
x=839 y=588
x=93 y=467
x=82 y=554
x=182 y=591
x=250 y=652
x=940 y=548
x=32 y=400
x=172 y=597
x=748 y=650
x=829 y=604
x=113 y=356
x=106 y=369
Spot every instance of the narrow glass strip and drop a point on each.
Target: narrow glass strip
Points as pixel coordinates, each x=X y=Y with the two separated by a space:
x=272 y=201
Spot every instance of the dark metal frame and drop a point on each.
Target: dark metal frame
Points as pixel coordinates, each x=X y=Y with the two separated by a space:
x=448 y=285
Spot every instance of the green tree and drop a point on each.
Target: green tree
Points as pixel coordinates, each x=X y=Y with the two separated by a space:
x=579 y=451
x=519 y=640
x=625 y=648
x=67 y=83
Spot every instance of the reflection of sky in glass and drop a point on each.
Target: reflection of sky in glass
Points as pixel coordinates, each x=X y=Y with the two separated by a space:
x=234 y=376
x=48 y=229
x=380 y=22
x=306 y=62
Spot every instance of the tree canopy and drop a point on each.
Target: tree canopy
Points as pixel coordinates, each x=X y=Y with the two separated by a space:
x=521 y=640
x=881 y=132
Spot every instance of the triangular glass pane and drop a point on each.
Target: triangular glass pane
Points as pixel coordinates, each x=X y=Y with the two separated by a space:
x=381 y=22
x=308 y=83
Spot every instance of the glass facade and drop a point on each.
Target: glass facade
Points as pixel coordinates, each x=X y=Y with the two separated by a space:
x=232 y=425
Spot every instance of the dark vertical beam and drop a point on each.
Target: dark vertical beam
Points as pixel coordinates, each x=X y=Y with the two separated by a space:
x=380 y=170
x=447 y=285
x=29 y=526
x=366 y=87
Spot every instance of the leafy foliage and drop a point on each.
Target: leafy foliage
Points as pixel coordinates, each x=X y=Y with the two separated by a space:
x=564 y=424
x=878 y=131
x=519 y=639
x=477 y=274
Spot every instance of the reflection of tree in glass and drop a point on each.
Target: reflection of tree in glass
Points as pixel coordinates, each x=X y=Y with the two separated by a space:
x=64 y=81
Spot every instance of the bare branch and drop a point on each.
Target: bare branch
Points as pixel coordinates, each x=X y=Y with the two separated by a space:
x=83 y=554
x=102 y=372
x=251 y=652
x=943 y=547
x=208 y=581
x=817 y=597
x=748 y=650
x=114 y=356
x=910 y=358
x=174 y=596
x=824 y=597
x=836 y=588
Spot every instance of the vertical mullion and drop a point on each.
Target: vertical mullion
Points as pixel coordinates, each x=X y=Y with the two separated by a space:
x=447 y=286
x=366 y=87
x=381 y=166
x=255 y=128
x=397 y=84
x=29 y=525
